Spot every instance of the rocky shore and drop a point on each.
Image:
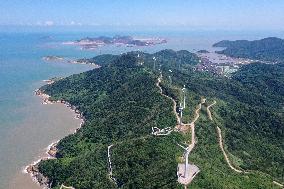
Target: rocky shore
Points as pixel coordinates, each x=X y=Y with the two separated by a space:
x=83 y=61
x=33 y=169
x=68 y=60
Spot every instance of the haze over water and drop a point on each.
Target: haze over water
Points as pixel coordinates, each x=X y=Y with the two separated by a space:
x=26 y=126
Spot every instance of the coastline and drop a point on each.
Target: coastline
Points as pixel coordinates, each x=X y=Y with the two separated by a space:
x=50 y=59
x=51 y=150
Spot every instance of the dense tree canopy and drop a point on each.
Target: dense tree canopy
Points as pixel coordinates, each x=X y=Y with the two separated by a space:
x=121 y=103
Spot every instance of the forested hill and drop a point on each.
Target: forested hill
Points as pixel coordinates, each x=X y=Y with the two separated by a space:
x=167 y=56
x=267 y=49
x=121 y=103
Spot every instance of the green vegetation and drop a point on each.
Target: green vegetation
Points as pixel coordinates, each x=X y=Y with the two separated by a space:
x=268 y=49
x=215 y=173
x=121 y=103
x=250 y=113
x=100 y=59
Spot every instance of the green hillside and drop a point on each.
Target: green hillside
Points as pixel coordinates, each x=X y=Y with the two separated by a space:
x=121 y=103
x=268 y=49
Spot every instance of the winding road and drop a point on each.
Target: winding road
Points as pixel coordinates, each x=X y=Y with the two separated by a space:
x=278 y=184
x=224 y=152
x=221 y=141
x=188 y=171
x=174 y=102
x=109 y=163
x=208 y=110
x=66 y=187
x=192 y=124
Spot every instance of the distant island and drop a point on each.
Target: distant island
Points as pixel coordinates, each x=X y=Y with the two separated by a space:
x=94 y=42
x=267 y=49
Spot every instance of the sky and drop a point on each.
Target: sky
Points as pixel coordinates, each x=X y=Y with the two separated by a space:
x=211 y=14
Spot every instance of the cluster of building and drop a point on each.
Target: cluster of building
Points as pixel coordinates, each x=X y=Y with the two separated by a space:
x=220 y=64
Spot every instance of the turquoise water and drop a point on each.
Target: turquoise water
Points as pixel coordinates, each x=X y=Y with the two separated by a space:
x=27 y=126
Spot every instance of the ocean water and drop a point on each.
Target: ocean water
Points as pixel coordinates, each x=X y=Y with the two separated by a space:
x=26 y=126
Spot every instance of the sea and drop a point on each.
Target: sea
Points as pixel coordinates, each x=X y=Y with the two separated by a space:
x=27 y=126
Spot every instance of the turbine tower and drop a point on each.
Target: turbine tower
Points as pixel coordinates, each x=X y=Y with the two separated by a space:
x=183 y=90
x=170 y=78
x=180 y=112
x=154 y=58
x=140 y=59
x=186 y=154
x=182 y=105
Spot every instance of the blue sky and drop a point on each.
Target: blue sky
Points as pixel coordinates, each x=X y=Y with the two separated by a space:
x=216 y=14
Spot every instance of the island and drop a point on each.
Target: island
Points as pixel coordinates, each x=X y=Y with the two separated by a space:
x=129 y=41
x=155 y=121
x=269 y=50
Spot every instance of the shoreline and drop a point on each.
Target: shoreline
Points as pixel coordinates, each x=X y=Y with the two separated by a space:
x=55 y=59
x=51 y=149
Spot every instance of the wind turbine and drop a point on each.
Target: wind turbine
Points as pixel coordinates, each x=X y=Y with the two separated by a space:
x=140 y=60
x=154 y=58
x=183 y=90
x=180 y=112
x=182 y=105
x=186 y=154
x=170 y=78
